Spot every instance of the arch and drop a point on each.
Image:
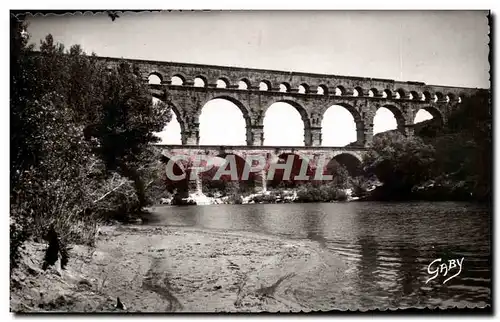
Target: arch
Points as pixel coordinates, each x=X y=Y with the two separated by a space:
x=241 y=164
x=373 y=92
x=274 y=131
x=413 y=96
x=222 y=82
x=400 y=94
x=344 y=124
x=155 y=78
x=303 y=88
x=177 y=80
x=264 y=85
x=461 y=97
x=244 y=84
x=387 y=94
x=173 y=131
x=200 y=81
x=172 y=174
x=450 y=98
x=340 y=90
x=350 y=161
x=433 y=111
x=322 y=90
x=178 y=167
x=358 y=91
x=383 y=123
x=213 y=132
x=438 y=97
x=284 y=87
x=426 y=96
x=298 y=163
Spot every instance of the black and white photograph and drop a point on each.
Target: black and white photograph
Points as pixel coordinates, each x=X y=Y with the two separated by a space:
x=246 y=161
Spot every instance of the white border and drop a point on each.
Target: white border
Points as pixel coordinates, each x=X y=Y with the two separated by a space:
x=214 y=5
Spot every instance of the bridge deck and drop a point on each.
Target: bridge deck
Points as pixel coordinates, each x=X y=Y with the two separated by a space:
x=258 y=147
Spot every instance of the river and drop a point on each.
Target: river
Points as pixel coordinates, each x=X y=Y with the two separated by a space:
x=387 y=246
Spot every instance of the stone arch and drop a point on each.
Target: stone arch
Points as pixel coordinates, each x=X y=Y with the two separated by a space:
x=175 y=175
x=450 y=98
x=400 y=94
x=461 y=97
x=358 y=156
x=241 y=165
x=357 y=118
x=176 y=76
x=398 y=115
x=352 y=162
x=438 y=97
x=223 y=82
x=179 y=116
x=244 y=111
x=358 y=91
x=355 y=114
x=155 y=78
x=302 y=111
x=265 y=85
x=180 y=163
x=340 y=90
x=299 y=162
x=414 y=95
x=426 y=96
x=387 y=94
x=303 y=89
x=303 y=115
x=373 y=92
x=244 y=84
x=200 y=81
x=322 y=90
x=436 y=113
x=284 y=87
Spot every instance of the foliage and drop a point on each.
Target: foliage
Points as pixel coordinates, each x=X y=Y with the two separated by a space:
x=80 y=141
x=121 y=120
x=453 y=162
x=399 y=162
x=325 y=192
x=464 y=151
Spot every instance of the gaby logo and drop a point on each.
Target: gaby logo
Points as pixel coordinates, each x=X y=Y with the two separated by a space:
x=452 y=265
x=252 y=164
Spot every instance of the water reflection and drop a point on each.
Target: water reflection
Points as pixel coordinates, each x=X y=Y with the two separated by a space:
x=313 y=226
x=387 y=245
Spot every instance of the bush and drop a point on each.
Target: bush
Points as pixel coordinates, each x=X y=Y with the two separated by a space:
x=320 y=193
x=80 y=142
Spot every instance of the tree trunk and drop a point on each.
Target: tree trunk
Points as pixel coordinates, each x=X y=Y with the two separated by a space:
x=140 y=190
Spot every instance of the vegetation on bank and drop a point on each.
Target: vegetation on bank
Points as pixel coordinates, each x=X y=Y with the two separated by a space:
x=450 y=162
x=80 y=142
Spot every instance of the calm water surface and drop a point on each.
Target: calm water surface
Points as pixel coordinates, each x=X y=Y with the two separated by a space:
x=387 y=245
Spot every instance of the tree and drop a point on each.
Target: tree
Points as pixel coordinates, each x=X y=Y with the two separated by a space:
x=399 y=162
x=79 y=132
x=122 y=121
x=464 y=151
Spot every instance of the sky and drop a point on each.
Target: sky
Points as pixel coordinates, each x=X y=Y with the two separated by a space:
x=435 y=47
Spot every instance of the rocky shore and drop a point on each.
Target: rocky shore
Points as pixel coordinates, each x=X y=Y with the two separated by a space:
x=281 y=196
x=161 y=269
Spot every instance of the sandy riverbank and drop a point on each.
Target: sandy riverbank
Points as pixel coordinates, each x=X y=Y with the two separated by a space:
x=164 y=269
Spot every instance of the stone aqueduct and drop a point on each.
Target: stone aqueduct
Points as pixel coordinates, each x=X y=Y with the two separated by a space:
x=255 y=90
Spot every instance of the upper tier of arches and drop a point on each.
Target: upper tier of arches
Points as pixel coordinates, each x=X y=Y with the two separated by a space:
x=349 y=89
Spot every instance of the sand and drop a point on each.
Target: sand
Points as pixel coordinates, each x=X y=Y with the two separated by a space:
x=173 y=269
